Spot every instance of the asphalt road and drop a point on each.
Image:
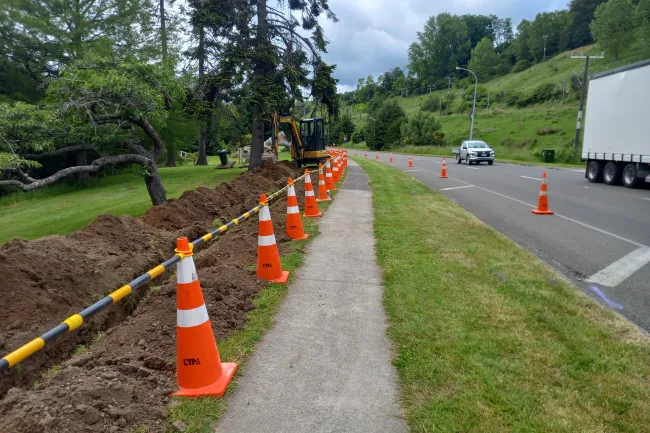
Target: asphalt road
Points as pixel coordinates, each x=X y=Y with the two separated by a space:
x=599 y=236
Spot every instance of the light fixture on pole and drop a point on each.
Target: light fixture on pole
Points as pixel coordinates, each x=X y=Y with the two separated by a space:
x=471 y=129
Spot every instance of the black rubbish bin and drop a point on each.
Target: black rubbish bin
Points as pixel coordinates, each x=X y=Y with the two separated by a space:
x=223 y=156
x=548 y=155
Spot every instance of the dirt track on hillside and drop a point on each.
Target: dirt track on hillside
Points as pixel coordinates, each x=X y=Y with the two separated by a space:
x=122 y=381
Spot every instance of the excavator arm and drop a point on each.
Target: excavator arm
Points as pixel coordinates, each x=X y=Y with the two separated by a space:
x=297 y=147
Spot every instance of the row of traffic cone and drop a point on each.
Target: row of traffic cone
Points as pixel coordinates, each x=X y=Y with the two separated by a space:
x=199 y=369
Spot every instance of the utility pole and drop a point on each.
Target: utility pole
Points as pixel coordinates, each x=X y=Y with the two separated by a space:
x=563 y=91
x=545 y=38
x=449 y=81
x=488 y=100
x=440 y=105
x=583 y=93
x=429 y=89
x=471 y=129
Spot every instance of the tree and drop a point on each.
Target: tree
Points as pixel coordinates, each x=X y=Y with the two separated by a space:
x=385 y=131
x=613 y=25
x=643 y=19
x=484 y=59
x=549 y=24
x=98 y=106
x=577 y=33
x=420 y=130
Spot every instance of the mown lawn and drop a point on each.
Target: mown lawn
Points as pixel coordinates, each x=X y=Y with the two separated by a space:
x=62 y=209
x=487 y=338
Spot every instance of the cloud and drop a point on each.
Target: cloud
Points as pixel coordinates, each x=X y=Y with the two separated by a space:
x=373 y=36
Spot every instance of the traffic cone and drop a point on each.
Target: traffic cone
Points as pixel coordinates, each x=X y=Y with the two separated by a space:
x=377 y=156
x=322 y=188
x=329 y=179
x=410 y=161
x=391 y=157
x=355 y=153
x=311 y=207
x=294 y=222
x=268 y=258
x=199 y=370
x=542 y=205
x=336 y=175
x=365 y=154
x=443 y=175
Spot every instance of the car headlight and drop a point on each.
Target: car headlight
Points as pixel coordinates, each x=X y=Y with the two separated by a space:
x=472 y=153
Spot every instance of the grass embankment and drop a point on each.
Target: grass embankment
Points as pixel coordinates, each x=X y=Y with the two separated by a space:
x=488 y=338
x=202 y=414
x=62 y=209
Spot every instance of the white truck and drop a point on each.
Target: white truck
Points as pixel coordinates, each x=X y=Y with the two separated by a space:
x=616 y=144
x=474 y=151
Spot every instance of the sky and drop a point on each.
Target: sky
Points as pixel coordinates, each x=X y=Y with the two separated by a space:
x=373 y=36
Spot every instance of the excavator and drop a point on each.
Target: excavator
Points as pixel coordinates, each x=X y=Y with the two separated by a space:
x=307 y=139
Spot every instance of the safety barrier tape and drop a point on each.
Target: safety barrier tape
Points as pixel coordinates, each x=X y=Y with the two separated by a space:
x=76 y=320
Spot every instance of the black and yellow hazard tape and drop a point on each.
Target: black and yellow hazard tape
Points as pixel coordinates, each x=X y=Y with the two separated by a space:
x=75 y=321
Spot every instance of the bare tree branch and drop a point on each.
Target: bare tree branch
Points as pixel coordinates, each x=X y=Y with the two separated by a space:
x=57 y=152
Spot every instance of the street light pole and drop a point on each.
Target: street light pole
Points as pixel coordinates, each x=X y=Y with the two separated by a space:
x=449 y=81
x=471 y=129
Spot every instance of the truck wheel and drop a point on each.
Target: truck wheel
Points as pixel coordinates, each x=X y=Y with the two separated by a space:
x=594 y=172
x=630 y=179
x=458 y=160
x=611 y=173
x=490 y=162
x=468 y=161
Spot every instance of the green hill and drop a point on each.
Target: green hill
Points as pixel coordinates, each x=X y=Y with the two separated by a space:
x=517 y=134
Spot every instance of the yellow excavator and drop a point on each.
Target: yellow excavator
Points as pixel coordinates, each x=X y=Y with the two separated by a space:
x=307 y=141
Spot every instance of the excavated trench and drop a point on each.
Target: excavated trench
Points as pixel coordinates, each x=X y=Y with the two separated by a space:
x=122 y=377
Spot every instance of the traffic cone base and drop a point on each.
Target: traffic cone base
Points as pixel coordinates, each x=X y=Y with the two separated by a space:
x=543 y=212
x=216 y=389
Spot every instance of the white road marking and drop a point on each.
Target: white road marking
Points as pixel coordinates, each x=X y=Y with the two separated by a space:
x=533 y=178
x=457 y=187
x=578 y=171
x=411 y=170
x=472 y=168
x=621 y=269
x=645 y=198
x=629 y=241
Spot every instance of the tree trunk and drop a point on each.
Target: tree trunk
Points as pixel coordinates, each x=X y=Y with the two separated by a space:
x=202 y=159
x=171 y=155
x=155 y=186
x=257 y=146
x=81 y=158
x=163 y=35
x=260 y=73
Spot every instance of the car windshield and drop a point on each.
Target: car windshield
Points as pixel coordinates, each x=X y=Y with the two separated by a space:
x=477 y=145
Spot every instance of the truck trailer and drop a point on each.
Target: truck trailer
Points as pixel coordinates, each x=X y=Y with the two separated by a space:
x=616 y=145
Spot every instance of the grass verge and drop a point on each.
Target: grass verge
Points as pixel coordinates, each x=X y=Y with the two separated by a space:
x=62 y=209
x=488 y=338
x=201 y=415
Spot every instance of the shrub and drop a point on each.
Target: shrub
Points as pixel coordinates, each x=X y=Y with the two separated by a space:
x=358 y=137
x=566 y=154
x=521 y=65
x=422 y=130
x=543 y=93
x=502 y=69
x=463 y=107
x=528 y=142
x=430 y=104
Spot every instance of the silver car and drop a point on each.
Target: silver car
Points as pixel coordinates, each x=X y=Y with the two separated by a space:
x=474 y=151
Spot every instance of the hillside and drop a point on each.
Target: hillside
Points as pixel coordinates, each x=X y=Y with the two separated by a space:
x=511 y=131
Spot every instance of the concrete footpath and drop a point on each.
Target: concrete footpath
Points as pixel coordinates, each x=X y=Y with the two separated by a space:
x=325 y=365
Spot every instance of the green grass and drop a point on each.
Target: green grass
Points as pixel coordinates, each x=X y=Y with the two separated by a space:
x=201 y=414
x=489 y=339
x=62 y=209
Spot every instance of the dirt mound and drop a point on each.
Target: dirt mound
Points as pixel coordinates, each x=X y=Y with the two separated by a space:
x=51 y=278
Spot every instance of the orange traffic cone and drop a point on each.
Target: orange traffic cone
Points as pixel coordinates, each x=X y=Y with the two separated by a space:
x=329 y=179
x=268 y=258
x=311 y=207
x=199 y=370
x=542 y=205
x=322 y=188
x=365 y=154
x=377 y=156
x=411 y=161
x=443 y=175
x=294 y=222
x=391 y=157
x=336 y=175
x=355 y=153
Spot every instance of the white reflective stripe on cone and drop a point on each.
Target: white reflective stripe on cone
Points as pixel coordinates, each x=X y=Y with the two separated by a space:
x=307 y=178
x=292 y=209
x=191 y=318
x=266 y=241
x=321 y=182
x=291 y=191
x=309 y=193
x=328 y=175
x=542 y=193
x=186 y=271
x=265 y=215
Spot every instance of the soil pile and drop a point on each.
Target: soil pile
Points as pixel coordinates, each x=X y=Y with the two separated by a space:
x=56 y=276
